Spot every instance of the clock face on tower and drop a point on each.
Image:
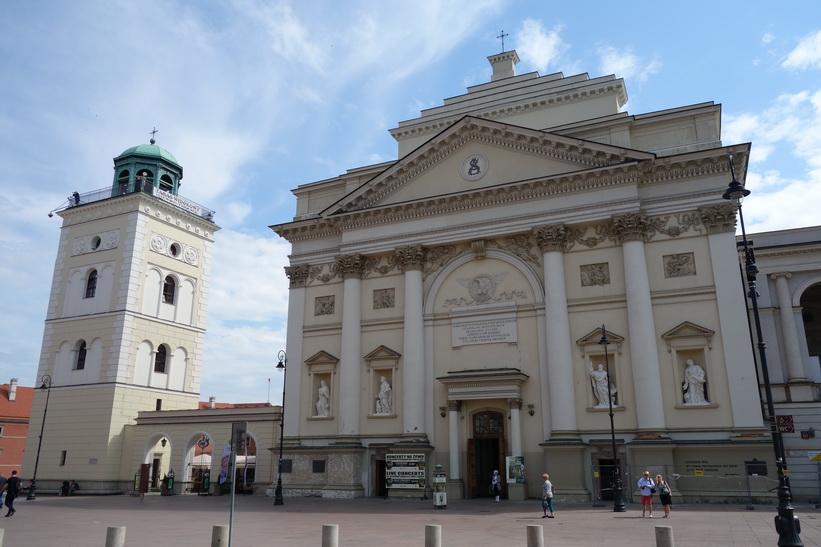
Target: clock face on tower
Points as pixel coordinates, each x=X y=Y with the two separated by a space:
x=474 y=167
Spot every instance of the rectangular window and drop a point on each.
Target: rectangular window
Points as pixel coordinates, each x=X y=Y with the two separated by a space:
x=319 y=466
x=159 y=404
x=63 y=458
x=286 y=466
x=1 y=430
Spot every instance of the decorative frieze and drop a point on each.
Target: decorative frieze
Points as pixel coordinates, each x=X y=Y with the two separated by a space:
x=174 y=249
x=384 y=299
x=95 y=242
x=324 y=305
x=679 y=265
x=482 y=290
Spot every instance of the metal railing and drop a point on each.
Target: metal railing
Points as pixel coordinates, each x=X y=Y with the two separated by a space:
x=109 y=192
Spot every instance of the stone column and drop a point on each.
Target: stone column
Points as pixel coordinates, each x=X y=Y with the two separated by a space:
x=719 y=220
x=414 y=404
x=350 y=268
x=552 y=241
x=631 y=231
x=515 y=426
x=789 y=330
x=454 y=471
x=298 y=276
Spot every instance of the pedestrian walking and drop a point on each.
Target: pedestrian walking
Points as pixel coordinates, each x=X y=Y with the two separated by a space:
x=547 y=496
x=496 y=485
x=12 y=488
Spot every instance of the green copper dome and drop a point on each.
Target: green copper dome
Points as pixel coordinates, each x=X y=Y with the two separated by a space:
x=148 y=150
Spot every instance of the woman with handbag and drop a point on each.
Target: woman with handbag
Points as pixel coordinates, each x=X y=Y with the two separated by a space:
x=665 y=495
x=648 y=488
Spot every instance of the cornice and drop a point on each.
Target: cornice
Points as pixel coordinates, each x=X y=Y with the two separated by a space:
x=572 y=95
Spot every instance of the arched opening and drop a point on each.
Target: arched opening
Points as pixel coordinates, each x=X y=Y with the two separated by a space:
x=160 y=359
x=91 y=284
x=811 y=314
x=246 y=466
x=80 y=364
x=122 y=182
x=166 y=184
x=144 y=182
x=169 y=289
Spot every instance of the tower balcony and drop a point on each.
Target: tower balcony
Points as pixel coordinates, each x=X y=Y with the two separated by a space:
x=192 y=207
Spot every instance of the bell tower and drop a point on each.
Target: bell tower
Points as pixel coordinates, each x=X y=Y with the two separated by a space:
x=125 y=324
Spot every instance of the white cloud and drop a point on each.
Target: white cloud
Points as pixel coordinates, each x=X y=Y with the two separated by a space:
x=807 y=53
x=767 y=38
x=626 y=64
x=543 y=49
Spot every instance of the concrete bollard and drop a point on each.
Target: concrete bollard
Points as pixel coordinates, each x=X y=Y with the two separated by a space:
x=330 y=535
x=664 y=536
x=219 y=535
x=433 y=535
x=535 y=537
x=2 y=533
x=115 y=536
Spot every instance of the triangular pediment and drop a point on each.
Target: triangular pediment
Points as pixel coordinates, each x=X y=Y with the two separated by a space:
x=688 y=330
x=477 y=155
x=321 y=357
x=382 y=353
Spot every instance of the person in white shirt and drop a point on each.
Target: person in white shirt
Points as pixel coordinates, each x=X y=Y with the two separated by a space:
x=645 y=484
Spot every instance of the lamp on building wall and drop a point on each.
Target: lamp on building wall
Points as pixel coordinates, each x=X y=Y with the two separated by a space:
x=46 y=384
x=531 y=409
x=443 y=411
x=786 y=524
x=618 y=500
x=163 y=442
x=282 y=365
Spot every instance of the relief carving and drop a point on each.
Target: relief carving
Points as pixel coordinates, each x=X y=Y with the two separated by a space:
x=595 y=274
x=551 y=238
x=520 y=245
x=482 y=289
x=718 y=218
x=384 y=298
x=411 y=258
x=631 y=227
x=679 y=265
x=298 y=275
x=324 y=305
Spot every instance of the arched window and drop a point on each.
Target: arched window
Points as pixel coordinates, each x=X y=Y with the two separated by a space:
x=169 y=289
x=159 y=359
x=81 y=356
x=122 y=181
x=166 y=184
x=91 y=284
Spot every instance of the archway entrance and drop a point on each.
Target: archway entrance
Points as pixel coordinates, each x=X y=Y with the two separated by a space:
x=485 y=453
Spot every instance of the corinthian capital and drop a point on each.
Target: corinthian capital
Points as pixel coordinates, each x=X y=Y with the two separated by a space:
x=411 y=258
x=298 y=275
x=350 y=266
x=551 y=238
x=631 y=227
x=718 y=218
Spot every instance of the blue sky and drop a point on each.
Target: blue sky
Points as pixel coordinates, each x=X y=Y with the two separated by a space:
x=256 y=97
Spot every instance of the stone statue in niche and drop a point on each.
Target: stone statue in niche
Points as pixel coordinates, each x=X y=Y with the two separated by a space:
x=693 y=386
x=384 y=401
x=323 y=400
x=605 y=395
x=324 y=305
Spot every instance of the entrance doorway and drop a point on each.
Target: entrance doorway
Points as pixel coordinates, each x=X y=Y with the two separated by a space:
x=485 y=453
x=607 y=477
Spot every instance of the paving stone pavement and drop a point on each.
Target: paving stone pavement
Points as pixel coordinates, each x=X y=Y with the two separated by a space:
x=188 y=520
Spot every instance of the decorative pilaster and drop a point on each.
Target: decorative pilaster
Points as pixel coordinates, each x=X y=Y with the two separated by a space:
x=557 y=379
x=453 y=439
x=789 y=330
x=351 y=269
x=515 y=426
x=414 y=404
x=632 y=230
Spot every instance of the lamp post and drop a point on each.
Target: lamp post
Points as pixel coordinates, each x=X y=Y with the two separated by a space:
x=282 y=365
x=618 y=499
x=46 y=384
x=786 y=523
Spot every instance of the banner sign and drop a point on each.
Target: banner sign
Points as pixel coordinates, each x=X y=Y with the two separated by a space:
x=405 y=470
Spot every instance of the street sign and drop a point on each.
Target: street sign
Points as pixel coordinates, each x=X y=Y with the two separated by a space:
x=784 y=419
x=786 y=428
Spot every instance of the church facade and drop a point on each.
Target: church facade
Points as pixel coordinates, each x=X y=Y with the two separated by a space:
x=449 y=308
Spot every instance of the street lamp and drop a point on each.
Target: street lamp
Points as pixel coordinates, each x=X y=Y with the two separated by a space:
x=46 y=384
x=283 y=363
x=618 y=500
x=786 y=523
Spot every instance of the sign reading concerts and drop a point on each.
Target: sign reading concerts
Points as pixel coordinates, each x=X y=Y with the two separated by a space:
x=483 y=332
x=405 y=470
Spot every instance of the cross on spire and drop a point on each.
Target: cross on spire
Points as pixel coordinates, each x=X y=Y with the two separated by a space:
x=502 y=36
x=153 y=132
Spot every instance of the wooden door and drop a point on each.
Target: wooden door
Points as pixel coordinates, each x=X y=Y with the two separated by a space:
x=471 y=465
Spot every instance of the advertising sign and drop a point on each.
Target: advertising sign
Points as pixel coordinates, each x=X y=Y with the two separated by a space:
x=405 y=471
x=515 y=466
